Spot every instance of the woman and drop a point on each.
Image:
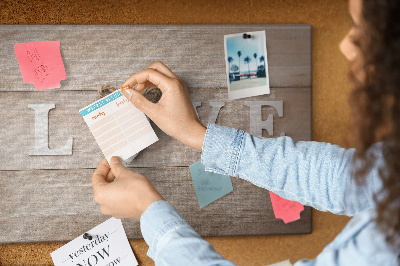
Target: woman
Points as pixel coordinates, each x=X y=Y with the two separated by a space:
x=363 y=183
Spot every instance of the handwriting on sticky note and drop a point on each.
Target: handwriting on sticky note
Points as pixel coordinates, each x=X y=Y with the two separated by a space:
x=41 y=63
x=284 y=209
x=119 y=128
x=109 y=246
x=209 y=186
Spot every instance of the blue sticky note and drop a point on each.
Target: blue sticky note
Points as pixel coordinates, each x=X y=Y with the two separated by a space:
x=209 y=186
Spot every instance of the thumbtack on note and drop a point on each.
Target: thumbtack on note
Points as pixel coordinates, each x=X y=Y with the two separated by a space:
x=287 y=210
x=209 y=186
x=41 y=63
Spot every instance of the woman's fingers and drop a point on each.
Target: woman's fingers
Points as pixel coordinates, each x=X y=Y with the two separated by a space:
x=140 y=102
x=142 y=86
x=174 y=113
x=110 y=177
x=149 y=75
x=100 y=174
x=160 y=67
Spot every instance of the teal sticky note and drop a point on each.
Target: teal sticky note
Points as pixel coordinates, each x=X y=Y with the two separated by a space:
x=209 y=186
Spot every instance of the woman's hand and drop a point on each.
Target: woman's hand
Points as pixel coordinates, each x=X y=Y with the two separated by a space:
x=127 y=197
x=174 y=113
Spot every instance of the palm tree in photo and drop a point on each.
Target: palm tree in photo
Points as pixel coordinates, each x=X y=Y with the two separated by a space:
x=262 y=59
x=264 y=72
x=239 y=54
x=234 y=68
x=247 y=60
x=230 y=60
x=255 y=57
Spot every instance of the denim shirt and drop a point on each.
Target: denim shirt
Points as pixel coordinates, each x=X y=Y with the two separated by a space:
x=312 y=173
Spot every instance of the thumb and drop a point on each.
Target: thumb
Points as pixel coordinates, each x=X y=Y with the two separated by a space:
x=100 y=174
x=138 y=100
x=117 y=167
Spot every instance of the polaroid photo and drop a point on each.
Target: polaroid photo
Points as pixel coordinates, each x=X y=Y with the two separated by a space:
x=246 y=64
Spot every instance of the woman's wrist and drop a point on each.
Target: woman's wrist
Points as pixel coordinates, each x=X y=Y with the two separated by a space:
x=200 y=137
x=195 y=137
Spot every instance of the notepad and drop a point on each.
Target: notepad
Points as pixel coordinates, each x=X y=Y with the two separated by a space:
x=119 y=128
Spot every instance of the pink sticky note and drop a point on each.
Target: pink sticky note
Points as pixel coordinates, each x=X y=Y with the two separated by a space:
x=41 y=63
x=286 y=210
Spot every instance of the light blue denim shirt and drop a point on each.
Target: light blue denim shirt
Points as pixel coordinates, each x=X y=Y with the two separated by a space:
x=312 y=173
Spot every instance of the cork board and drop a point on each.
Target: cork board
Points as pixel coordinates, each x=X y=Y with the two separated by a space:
x=49 y=197
x=330 y=22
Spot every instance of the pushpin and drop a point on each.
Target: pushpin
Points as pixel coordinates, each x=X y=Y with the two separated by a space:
x=87 y=236
x=246 y=36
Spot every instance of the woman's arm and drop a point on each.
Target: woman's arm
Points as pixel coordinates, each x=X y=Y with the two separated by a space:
x=315 y=174
x=172 y=241
x=170 y=238
x=312 y=173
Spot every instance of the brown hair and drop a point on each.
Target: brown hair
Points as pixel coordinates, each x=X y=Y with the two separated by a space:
x=375 y=103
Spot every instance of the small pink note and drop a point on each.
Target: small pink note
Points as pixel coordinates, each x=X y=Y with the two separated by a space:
x=41 y=63
x=286 y=210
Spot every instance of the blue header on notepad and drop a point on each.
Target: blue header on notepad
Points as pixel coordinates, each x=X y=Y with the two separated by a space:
x=100 y=103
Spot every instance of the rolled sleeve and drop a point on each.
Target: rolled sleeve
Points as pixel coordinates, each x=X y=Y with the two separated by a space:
x=221 y=151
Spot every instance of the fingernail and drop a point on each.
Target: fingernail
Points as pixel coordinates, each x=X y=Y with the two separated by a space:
x=129 y=92
x=115 y=160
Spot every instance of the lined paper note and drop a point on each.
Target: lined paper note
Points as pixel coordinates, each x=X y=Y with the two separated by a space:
x=119 y=128
x=41 y=63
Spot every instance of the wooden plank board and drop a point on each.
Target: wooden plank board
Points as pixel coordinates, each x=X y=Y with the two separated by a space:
x=18 y=127
x=245 y=211
x=97 y=55
x=49 y=198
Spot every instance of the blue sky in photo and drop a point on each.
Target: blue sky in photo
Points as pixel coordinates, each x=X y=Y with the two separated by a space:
x=248 y=47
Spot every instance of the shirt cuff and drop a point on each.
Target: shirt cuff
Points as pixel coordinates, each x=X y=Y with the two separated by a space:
x=158 y=219
x=222 y=148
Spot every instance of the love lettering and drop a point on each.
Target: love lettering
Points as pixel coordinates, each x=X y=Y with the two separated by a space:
x=256 y=123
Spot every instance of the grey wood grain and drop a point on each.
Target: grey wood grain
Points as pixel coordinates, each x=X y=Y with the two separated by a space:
x=49 y=198
x=97 y=55
x=17 y=127
x=57 y=205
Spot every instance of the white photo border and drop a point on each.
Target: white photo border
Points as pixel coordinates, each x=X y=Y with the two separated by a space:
x=247 y=92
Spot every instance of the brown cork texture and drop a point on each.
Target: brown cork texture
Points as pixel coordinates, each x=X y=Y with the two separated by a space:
x=330 y=23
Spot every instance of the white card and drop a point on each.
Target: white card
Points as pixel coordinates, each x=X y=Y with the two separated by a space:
x=119 y=128
x=108 y=247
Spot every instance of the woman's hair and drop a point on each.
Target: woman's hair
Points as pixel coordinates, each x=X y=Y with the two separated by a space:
x=375 y=103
